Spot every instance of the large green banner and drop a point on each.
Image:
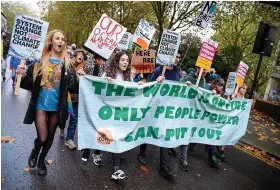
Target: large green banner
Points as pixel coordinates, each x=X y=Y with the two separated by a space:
x=118 y=116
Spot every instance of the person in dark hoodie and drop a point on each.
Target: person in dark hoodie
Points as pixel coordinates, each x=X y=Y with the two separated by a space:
x=191 y=78
x=172 y=73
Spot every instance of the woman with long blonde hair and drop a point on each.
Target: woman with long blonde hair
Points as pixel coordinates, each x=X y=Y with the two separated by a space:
x=50 y=80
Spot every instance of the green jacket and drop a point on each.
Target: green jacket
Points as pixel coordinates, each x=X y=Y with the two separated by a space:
x=192 y=78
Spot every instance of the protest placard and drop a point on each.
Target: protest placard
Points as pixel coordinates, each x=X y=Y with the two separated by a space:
x=27 y=41
x=205 y=14
x=144 y=61
x=118 y=116
x=241 y=73
x=230 y=86
x=206 y=54
x=124 y=43
x=168 y=47
x=28 y=38
x=105 y=37
x=143 y=34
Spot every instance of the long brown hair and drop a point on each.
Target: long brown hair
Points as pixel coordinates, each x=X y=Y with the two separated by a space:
x=113 y=66
x=77 y=65
x=42 y=68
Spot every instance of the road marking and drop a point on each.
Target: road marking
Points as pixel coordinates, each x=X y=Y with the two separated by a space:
x=260 y=158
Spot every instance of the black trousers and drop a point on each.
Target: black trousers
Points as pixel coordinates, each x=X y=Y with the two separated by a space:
x=163 y=154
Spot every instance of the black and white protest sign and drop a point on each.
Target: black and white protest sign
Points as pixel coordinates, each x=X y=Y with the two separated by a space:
x=28 y=38
x=206 y=13
x=168 y=48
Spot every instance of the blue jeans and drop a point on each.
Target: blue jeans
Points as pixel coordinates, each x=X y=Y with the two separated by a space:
x=72 y=123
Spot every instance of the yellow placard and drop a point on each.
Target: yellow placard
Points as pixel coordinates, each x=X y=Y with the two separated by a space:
x=203 y=63
x=239 y=80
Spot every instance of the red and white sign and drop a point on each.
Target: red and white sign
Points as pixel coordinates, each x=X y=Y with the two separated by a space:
x=207 y=51
x=206 y=54
x=105 y=37
x=241 y=72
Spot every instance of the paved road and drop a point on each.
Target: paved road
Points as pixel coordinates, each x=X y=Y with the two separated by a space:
x=68 y=171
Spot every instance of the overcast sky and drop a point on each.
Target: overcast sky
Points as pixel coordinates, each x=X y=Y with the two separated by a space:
x=35 y=7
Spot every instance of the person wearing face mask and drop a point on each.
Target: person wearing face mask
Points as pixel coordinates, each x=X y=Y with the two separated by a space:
x=49 y=81
x=118 y=69
x=78 y=62
x=172 y=72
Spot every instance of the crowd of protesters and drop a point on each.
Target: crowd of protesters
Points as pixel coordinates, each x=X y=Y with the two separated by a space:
x=54 y=82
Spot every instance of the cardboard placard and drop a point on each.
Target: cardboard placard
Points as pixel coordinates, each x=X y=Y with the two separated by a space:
x=168 y=48
x=143 y=34
x=231 y=80
x=28 y=38
x=241 y=72
x=206 y=54
x=205 y=14
x=105 y=37
x=144 y=61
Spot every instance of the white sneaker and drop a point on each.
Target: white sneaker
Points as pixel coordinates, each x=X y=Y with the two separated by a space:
x=118 y=174
x=70 y=144
x=97 y=159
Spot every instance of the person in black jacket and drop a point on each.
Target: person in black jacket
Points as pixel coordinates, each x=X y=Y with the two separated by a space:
x=50 y=80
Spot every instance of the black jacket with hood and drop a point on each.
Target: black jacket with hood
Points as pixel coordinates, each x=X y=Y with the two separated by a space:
x=68 y=82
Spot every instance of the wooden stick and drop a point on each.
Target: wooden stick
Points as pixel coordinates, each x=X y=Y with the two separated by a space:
x=199 y=76
x=18 y=79
x=236 y=90
x=163 y=70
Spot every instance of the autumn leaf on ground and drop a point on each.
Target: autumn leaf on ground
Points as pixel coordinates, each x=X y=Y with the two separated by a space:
x=26 y=169
x=248 y=148
x=257 y=152
x=275 y=131
x=7 y=139
x=249 y=132
x=258 y=128
x=277 y=141
x=49 y=162
x=262 y=136
x=144 y=168
x=2 y=179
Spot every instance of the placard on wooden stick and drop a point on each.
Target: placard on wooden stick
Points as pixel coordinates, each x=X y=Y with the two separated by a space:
x=27 y=40
x=206 y=56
